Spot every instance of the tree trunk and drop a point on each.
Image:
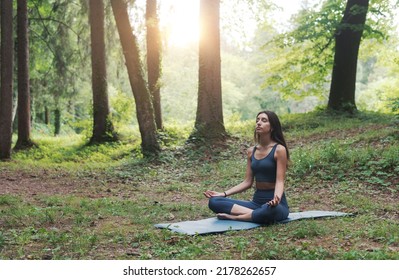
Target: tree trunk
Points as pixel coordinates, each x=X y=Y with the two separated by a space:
x=347 y=43
x=46 y=115
x=209 y=120
x=154 y=49
x=57 y=121
x=14 y=107
x=103 y=129
x=6 y=56
x=144 y=108
x=24 y=111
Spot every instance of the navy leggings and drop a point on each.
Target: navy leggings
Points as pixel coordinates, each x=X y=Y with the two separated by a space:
x=262 y=214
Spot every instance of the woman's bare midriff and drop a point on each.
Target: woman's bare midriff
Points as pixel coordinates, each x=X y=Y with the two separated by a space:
x=265 y=186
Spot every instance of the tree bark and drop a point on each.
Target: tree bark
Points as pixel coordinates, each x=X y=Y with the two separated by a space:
x=144 y=108
x=46 y=115
x=57 y=121
x=209 y=119
x=6 y=56
x=154 y=50
x=347 y=43
x=24 y=112
x=103 y=130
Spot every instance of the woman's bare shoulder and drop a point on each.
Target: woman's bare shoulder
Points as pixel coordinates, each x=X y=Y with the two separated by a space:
x=281 y=150
x=280 y=147
x=250 y=150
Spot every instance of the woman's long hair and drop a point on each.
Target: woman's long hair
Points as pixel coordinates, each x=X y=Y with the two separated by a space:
x=277 y=132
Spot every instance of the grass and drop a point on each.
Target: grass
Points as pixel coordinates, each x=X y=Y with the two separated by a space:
x=66 y=200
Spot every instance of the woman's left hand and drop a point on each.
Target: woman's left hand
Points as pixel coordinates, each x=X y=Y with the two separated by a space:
x=210 y=194
x=275 y=201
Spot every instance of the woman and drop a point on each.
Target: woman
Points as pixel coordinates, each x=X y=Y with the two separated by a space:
x=267 y=163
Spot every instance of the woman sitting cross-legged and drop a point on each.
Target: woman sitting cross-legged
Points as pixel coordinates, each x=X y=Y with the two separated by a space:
x=267 y=163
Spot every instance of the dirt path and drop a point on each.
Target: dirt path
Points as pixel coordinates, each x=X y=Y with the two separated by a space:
x=29 y=184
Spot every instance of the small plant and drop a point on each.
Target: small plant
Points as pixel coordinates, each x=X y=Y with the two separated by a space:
x=2 y=241
x=309 y=229
x=8 y=200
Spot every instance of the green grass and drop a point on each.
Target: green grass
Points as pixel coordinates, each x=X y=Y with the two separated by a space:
x=101 y=202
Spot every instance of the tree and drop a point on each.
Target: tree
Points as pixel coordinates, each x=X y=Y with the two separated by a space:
x=299 y=62
x=154 y=49
x=103 y=129
x=209 y=124
x=347 y=43
x=144 y=107
x=24 y=111
x=6 y=50
x=59 y=39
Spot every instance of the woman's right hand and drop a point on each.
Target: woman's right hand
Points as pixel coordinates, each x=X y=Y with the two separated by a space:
x=210 y=194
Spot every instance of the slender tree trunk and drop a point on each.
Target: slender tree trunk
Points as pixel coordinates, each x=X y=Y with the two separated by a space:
x=347 y=43
x=24 y=110
x=154 y=50
x=46 y=115
x=6 y=56
x=14 y=107
x=209 y=120
x=57 y=121
x=144 y=108
x=103 y=129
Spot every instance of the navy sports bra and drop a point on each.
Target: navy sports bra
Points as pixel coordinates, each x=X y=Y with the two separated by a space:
x=264 y=169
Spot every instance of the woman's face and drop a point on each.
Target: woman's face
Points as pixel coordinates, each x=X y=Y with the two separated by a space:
x=262 y=123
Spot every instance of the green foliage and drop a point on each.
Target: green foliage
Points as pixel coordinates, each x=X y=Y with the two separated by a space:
x=378 y=84
x=71 y=151
x=2 y=241
x=303 y=57
x=309 y=229
x=339 y=159
x=174 y=135
x=8 y=200
x=123 y=110
x=298 y=63
x=57 y=57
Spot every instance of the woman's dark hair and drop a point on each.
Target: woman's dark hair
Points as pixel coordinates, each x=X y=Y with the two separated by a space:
x=277 y=132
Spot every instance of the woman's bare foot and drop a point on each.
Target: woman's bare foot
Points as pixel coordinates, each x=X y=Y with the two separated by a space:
x=224 y=216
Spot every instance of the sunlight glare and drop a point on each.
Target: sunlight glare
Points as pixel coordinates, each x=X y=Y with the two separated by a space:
x=180 y=21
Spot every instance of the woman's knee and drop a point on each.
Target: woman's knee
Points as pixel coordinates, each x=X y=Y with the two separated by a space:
x=218 y=204
x=214 y=203
x=267 y=214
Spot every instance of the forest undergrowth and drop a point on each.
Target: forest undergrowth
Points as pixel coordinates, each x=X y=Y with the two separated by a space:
x=67 y=200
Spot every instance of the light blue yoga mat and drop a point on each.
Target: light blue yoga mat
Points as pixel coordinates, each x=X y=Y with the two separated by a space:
x=214 y=225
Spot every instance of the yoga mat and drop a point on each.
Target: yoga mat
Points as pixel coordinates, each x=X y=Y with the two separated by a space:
x=214 y=225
